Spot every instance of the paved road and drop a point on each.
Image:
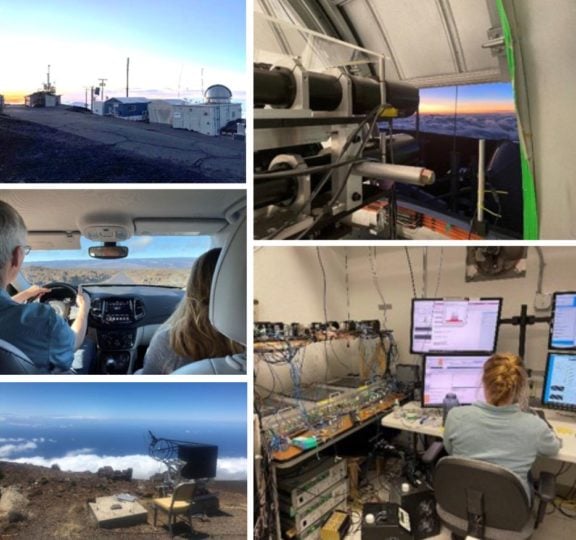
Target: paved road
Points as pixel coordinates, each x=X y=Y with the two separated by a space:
x=219 y=157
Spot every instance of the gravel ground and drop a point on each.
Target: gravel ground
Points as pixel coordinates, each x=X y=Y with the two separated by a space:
x=110 y=150
x=58 y=507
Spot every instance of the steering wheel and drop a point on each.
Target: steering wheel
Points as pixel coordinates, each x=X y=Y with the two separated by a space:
x=61 y=298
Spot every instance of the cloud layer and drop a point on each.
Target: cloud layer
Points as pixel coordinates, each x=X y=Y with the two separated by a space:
x=15 y=445
x=143 y=466
x=7 y=450
x=476 y=126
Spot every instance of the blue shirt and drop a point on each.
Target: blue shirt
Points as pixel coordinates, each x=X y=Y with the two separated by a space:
x=504 y=436
x=38 y=332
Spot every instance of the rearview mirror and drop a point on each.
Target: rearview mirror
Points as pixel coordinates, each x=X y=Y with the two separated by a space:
x=108 y=252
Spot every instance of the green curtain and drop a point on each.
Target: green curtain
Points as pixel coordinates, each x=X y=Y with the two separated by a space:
x=528 y=185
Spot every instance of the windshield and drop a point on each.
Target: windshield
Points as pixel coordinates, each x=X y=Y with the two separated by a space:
x=152 y=260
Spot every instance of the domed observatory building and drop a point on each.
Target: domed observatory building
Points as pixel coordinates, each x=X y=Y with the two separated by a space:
x=211 y=116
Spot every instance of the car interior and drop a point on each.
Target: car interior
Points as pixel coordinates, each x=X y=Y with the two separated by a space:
x=131 y=251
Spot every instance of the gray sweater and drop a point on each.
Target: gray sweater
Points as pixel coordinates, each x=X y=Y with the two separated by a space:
x=504 y=436
x=160 y=358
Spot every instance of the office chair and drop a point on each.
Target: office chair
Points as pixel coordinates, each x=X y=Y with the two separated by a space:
x=486 y=501
x=227 y=306
x=14 y=362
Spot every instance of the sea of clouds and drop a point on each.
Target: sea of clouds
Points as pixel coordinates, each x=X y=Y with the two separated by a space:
x=499 y=126
x=84 y=459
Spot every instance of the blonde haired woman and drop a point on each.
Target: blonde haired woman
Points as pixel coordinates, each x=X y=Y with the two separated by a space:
x=498 y=431
x=188 y=335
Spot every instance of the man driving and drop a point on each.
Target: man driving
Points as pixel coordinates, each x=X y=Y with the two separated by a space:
x=35 y=328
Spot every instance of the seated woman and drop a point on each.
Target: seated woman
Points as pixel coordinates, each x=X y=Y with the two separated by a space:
x=498 y=431
x=188 y=335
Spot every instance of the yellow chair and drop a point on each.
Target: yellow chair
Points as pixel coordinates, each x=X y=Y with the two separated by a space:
x=179 y=503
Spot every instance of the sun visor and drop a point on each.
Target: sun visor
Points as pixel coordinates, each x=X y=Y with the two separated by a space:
x=175 y=227
x=54 y=240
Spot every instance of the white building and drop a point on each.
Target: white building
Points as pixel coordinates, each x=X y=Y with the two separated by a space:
x=208 y=117
x=161 y=111
x=98 y=108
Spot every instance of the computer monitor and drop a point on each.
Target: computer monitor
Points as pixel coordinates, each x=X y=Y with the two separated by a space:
x=563 y=325
x=559 y=390
x=460 y=375
x=455 y=326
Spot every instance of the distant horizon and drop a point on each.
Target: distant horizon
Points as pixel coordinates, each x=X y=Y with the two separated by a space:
x=212 y=402
x=79 y=98
x=174 y=48
x=88 y=425
x=469 y=99
x=126 y=259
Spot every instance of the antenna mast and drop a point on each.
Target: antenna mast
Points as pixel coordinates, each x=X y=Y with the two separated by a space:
x=48 y=86
x=127 y=76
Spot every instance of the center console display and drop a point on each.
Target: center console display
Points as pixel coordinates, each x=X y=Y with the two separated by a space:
x=118 y=311
x=114 y=310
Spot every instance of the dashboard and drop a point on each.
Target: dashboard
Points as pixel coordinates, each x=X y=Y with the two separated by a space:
x=125 y=317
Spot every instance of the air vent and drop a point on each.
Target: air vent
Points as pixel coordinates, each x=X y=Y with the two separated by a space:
x=139 y=311
x=96 y=309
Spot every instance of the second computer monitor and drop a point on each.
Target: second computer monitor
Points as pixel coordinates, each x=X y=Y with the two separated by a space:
x=454 y=326
x=460 y=375
x=563 y=327
x=559 y=390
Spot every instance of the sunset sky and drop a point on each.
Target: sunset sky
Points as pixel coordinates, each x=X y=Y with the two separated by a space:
x=474 y=99
x=168 y=44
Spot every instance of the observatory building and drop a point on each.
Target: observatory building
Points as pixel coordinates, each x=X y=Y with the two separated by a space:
x=42 y=99
x=46 y=97
x=212 y=115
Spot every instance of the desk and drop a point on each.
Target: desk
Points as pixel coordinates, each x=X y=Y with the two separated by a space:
x=293 y=455
x=564 y=428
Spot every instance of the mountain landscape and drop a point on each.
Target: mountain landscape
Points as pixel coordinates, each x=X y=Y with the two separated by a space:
x=49 y=503
x=86 y=460
x=169 y=272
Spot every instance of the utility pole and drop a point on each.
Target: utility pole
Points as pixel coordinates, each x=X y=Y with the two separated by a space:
x=127 y=76
x=102 y=85
x=85 y=97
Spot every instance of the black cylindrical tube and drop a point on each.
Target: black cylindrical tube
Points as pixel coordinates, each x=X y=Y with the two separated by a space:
x=366 y=96
x=325 y=92
x=275 y=87
x=277 y=191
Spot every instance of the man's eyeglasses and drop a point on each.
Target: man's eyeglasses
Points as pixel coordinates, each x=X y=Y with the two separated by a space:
x=26 y=249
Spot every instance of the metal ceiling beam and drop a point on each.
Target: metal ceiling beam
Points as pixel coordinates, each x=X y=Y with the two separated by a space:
x=453 y=37
x=385 y=38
